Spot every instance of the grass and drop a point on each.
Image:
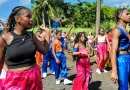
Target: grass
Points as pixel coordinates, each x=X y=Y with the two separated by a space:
x=74 y=30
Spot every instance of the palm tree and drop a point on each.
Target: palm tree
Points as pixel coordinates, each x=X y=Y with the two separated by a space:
x=50 y=9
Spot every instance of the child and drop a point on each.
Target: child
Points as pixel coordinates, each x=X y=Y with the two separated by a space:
x=38 y=55
x=82 y=64
x=60 y=58
x=101 y=50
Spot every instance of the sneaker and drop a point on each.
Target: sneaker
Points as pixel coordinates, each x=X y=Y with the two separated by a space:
x=57 y=81
x=53 y=73
x=105 y=71
x=67 y=81
x=98 y=71
x=44 y=75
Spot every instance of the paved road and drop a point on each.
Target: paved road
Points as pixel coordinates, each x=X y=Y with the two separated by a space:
x=98 y=82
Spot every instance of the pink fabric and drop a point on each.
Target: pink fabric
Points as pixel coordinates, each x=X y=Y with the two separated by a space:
x=83 y=72
x=1 y=84
x=26 y=80
x=101 y=49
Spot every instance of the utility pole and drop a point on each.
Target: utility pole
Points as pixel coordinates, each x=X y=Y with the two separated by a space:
x=98 y=16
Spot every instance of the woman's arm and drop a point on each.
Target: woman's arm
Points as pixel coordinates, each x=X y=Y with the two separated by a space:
x=95 y=38
x=43 y=48
x=2 y=53
x=75 y=52
x=69 y=31
x=2 y=23
x=115 y=39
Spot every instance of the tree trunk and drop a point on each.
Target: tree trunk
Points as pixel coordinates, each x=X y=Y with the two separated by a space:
x=98 y=16
x=43 y=21
x=49 y=21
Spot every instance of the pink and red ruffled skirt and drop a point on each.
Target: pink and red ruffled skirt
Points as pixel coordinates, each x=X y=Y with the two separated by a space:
x=25 y=80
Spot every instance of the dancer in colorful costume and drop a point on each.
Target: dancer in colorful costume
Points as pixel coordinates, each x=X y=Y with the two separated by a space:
x=101 y=50
x=120 y=57
x=19 y=46
x=83 y=68
x=60 y=58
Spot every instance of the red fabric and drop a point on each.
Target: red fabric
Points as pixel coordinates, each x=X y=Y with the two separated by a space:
x=81 y=81
x=2 y=84
x=26 y=80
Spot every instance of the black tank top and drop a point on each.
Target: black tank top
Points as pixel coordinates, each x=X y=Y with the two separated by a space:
x=21 y=51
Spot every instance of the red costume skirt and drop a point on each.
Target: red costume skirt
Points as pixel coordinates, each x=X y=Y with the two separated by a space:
x=25 y=80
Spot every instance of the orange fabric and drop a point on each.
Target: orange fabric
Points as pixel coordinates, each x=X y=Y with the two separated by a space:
x=58 y=47
x=38 y=58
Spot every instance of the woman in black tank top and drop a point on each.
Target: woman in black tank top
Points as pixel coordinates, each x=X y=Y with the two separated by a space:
x=19 y=46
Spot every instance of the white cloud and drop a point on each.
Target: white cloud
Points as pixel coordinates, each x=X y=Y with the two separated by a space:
x=118 y=3
x=115 y=1
x=3 y=1
x=25 y=2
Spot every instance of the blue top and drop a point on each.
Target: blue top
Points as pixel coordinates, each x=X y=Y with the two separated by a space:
x=124 y=42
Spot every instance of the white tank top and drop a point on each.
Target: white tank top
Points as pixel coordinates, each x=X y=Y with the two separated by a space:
x=101 y=39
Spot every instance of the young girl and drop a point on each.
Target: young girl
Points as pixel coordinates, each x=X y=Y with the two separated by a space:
x=38 y=55
x=19 y=46
x=120 y=57
x=101 y=50
x=82 y=64
x=60 y=58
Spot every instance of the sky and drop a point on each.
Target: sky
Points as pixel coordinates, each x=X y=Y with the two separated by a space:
x=6 y=6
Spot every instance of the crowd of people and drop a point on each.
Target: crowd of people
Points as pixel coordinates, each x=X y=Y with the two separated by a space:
x=23 y=53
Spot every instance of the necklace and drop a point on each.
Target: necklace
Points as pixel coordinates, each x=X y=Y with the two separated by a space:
x=23 y=37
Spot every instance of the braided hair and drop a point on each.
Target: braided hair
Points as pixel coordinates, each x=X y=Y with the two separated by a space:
x=118 y=12
x=11 y=20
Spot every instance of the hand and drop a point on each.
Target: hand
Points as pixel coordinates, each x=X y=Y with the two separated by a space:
x=1 y=21
x=57 y=61
x=84 y=53
x=44 y=28
x=114 y=77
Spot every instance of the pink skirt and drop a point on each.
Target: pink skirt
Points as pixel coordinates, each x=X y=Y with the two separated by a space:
x=101 y=49
x=25 y=80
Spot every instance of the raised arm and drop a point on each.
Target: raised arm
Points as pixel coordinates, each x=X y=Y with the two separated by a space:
x=115 y=39
x=2 y=23
x=43 y=48
x=95 y=38
x=69 y=31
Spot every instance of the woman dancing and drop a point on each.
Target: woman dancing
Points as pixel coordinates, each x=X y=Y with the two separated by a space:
x=82 y=64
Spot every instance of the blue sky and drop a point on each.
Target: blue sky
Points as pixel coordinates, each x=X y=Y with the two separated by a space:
x=7 y=5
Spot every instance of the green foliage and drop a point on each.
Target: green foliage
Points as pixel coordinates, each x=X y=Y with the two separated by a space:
x=83 y=14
